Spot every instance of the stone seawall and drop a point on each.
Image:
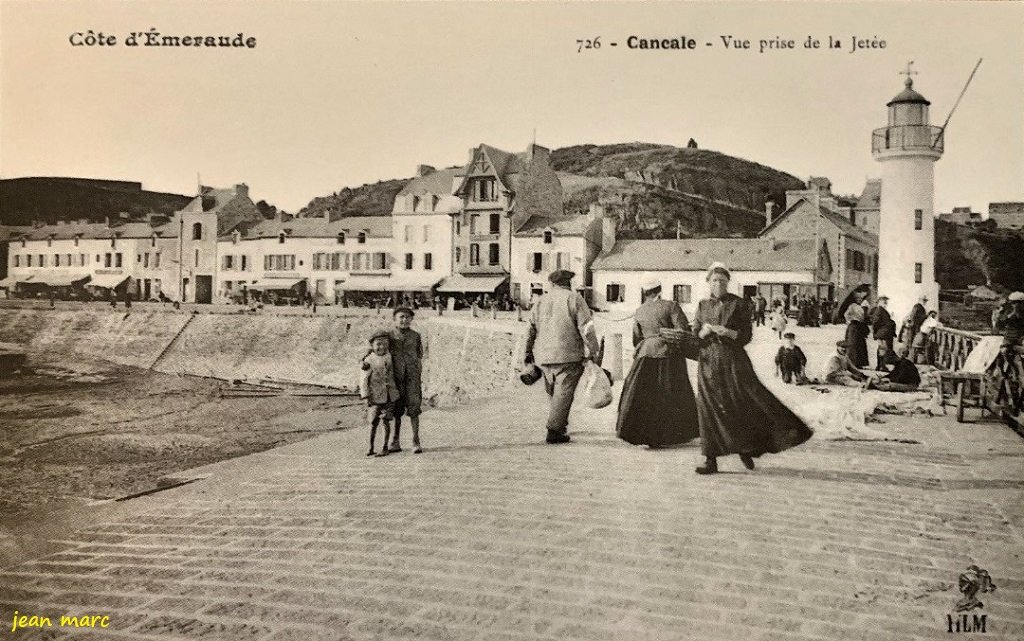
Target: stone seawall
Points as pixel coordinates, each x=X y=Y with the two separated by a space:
x=463 y=358
x=136 y=339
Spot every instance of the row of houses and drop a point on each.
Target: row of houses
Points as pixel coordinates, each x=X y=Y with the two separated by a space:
x=494 y=226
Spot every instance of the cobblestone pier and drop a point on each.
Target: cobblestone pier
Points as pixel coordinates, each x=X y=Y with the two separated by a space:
x=493 y=535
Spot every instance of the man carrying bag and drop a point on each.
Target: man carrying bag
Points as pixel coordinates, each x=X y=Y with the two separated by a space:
x=560 y=339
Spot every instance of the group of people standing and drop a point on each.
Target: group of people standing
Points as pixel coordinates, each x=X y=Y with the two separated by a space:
x=732 y=412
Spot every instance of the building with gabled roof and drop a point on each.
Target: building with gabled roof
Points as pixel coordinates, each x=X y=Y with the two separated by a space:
x=814 y=213
x=778 y=269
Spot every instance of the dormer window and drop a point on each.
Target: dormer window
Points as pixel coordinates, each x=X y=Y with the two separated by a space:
x=76 y=240
x=548 y=237
x=49 y=241
x=280 y=238
x=113 y=241
x=235 y=236
x=433 y=203
x=341 y=238
x=152 y=240
x=415 y=203
x=362 y=238
x=23 y=242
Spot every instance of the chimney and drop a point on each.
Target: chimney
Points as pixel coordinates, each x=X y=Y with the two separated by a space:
x=608 y=224
x=535 y=152
x=595 y=211
x=769 y=211
x=106 y=221
x=241 y=189
x=423 y=170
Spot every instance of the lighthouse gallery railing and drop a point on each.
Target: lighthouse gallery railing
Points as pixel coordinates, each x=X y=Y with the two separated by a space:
x=907 y=138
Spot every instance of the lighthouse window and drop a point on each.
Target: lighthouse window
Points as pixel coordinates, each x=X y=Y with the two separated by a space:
x=918 y=219
x=917 y=272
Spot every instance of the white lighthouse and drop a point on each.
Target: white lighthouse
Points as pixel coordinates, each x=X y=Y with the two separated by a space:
x=907 y=149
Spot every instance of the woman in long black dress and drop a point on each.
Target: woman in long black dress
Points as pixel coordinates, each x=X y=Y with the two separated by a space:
x=857 y=335
x=657 y=407
x=737 y=414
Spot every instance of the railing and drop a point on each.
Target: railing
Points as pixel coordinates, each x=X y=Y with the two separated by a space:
x=1002 y=383
x=948 y=348
x=907 y=138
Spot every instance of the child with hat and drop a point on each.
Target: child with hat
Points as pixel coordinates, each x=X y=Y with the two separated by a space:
x=407 y=356
x=378 y=388
x=790 y=361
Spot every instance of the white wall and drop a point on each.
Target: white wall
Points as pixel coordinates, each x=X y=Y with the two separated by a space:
x=908 y=184
x=632 y=280
x=523 y=249
x=438 y=243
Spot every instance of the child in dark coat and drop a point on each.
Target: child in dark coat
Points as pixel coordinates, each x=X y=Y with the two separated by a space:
x=790 y=361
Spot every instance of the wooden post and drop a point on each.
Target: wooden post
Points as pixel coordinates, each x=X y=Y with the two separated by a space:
x=613 y=356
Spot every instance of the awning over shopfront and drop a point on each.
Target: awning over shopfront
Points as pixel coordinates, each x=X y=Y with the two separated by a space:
x=54 y=278
x=275 y=285
x=108 y=281
x=414 y=285
x=484 y=284
x=367 y=284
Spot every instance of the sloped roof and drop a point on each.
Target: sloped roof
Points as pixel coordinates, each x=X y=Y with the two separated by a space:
x=562 y=226
x=849 y=228
x=506 y=165
x=738 y=254
x=908 y=95
x=435 y=183
x=374 y=226
x=840 y=221
x=72 y=230
x=871 y=197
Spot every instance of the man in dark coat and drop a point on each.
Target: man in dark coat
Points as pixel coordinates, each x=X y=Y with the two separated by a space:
x=883 y=327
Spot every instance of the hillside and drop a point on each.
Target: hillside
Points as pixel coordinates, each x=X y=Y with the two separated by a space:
x=660 y=190
x=965 y=257
x=654 y=189
x=23 y=200
x=375 y=199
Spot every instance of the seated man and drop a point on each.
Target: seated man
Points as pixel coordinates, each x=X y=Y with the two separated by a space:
x=841 y=371
x=904 y=376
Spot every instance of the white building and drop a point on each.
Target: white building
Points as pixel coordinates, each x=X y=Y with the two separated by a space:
x=172 y=258
x=543 y=244
x=424 y=216
x=775 y=268
x=907 y=148
x=293 y=256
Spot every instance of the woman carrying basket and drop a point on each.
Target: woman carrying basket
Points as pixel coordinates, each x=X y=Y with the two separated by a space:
x=657 y=407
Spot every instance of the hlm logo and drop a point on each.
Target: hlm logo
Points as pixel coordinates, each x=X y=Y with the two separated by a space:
x=966 y=623
x=973 y=581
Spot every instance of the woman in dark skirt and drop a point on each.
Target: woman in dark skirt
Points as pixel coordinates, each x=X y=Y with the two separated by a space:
x=857 y=335
x=657 y=407
x=737 y=414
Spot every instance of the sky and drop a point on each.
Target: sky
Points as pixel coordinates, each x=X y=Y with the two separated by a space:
x=338 y=94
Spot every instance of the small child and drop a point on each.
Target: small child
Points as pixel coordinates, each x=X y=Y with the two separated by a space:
x=377 y=386
x=790 y=361
x=779 y=320
x=407 y=352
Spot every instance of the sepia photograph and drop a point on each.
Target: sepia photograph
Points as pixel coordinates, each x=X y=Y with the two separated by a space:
x=458 y=320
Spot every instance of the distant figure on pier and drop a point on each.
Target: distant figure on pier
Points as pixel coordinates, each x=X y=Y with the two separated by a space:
x=737 y=414
x=904 y=376
x=840 y=370
x=790 y=361
x=883 y=328
x=857 y=335
x=560 y=339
